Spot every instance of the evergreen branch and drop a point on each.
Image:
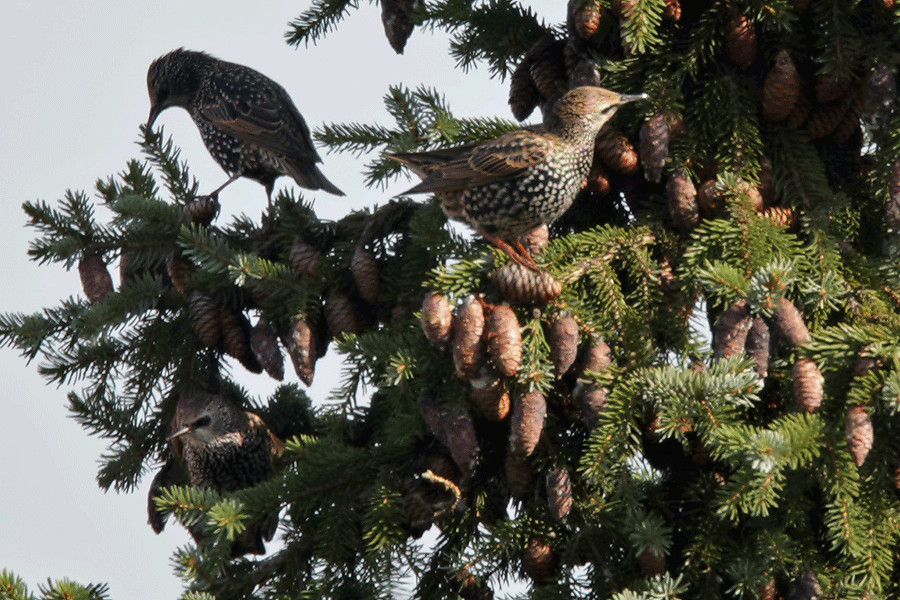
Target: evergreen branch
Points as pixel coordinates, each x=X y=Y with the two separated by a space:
x=318 y=20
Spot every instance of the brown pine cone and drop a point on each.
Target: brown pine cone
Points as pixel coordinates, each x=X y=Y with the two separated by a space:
x=767 y=180
x=789 y=323
x=808 y=384
x=527 y=423
x=467 y=346
x=598 y=180
x=616 y=151
x=593 y=402
x=538 y=560
x=264 y=344
x=710 y=198
x=731 y=330
x=740 y=39
x=418 y=508
x=304 y=259
x=624 y=9
x=559 y=493
x=95 y=278
x=300 y=344
x=472 y=587
x=849 y=123
x=767 y=591
x=522 y=285
x=443 y=467
x=682 y=196
x=519 y=475
x=202 y=210
x=672 y=11
x=547 y=64
x=781 y=88
x=459 y=435
x=586 y=16
x=759 y=345
x=563 y=342
x=437 y=318
x=235 y=340
x=829 y=89
x=800 y=112
x=203 y=315
x=523 y=93
x=180 y=270
x=365 y=274
x=825 y=119
x=341 y=315
x=536 y=240
x=860 y=434
x=504 y=340
x=490 y=396
x=653 y=146
x=652 y=563
x=782 y=215
x=397 y=19
x=432 y=413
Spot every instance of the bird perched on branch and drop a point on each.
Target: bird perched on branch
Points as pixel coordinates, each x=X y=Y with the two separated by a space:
x=507 y=186
x=247 y=121
x=222 y=448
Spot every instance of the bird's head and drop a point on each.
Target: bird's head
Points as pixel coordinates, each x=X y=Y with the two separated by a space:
x=585 y=110
x=173 y=79
x=203 y=418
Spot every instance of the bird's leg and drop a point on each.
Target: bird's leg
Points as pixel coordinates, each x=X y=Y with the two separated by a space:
x=216 y=191
x=519 y=255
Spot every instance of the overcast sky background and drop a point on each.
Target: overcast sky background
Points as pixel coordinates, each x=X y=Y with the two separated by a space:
x=74 y=79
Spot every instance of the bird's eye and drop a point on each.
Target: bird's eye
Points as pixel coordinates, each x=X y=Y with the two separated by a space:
x=201 y=422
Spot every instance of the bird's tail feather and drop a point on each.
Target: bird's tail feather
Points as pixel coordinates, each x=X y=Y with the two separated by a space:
x=310 y=177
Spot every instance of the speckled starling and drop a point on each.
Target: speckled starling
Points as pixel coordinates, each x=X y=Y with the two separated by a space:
x=225 y=448
x=247 y=121
x=507 y=186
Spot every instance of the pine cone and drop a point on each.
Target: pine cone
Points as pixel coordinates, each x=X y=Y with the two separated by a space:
x=766 y=181
x=682 y=197
x=829 y=89
x=490 y=395
x=653 y=146
x=523 y=93
x=586 y=16
x=789 y=323
x=740 y=39
x=264 y=344
x=808 y=384
x=437 y=318
x=652 y=563
x=782 y=215
x=731 y=330
x=538 y=560
x=767 y=591
x=459 y=435
x=672 y=11
x=781 y=88
x=590 y=395
x=559 y=493
x=504 y=340
x=598 y=180
x=305 y=260
x=563 y=342
x=203 y=315
x=527 y=423
x=472 y=587
x=593 y=402
x=624 y=9
x=518 y=475
x=432 y=413
x=95 y=278
x=710 y=199
x=396 y=17
x=180 y=270
x=581 y=69
x=536 y=240
x=365 y=274
x=300 y=344
x=467 y=346
x=547 y=64
x=522 y=285
x=202 y=210
x=800 y=113
x=759 y=345
x=418 y=509
x=236 y=339
x=860 y=434
x=825 y=119
x=341 y=315
x=616 y=151
x=443 y=467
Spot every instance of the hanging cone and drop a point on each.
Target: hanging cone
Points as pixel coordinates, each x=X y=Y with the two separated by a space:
x=586 y=16
x=590 y=395
x=767 y=180
x=365 y=274
x=759 y=345
x=203 y=315
x=860 y=434
x=341 y=315
x=432 y=413
x=731 y=330
x=443 y=467
x=300 y=344
x=767 y=591
x=682 y=197
x=598 y=180
x=504 y=340
x=563 y=342
x=418 y=509
x=559 y=493
x=472 y=587
x=651 y=563
x=180 y=270
x=202 y=210
x=849 y=123
x=95 y=278
x=548 y=68
x=785 y=216
x=740 y=39
x=829 y=89
x=825 y=119
x=527 y=423
x=467 y=345
x=538 y=560
x=593 y=402
x=865 y=364
x=437 y=318
x=800 y=113
x=808 y=384
x=537 y=240
x=459 y=435
x=653 y=146
x=522 y=285
x=710 y=199
x=519 y=476
x=304 y=259
x=581 y=69
x=597 y=358
x=264 y=345
x=672 y=11
x=616 y=151
x=523 y=94
x=789 y=323
x=780 y=88
x=490 y=396
x=624 y=9
x=236 y=339
x=397 y=19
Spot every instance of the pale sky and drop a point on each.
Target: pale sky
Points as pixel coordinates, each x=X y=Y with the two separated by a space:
x=74 y=80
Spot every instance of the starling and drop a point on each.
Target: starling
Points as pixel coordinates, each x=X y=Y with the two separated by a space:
x=247 y=121
x=225 y=448
x=507 y=186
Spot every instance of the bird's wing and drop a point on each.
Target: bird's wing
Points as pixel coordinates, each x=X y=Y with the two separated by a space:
x=256 y=422
x=486 y=162
x=259 y=114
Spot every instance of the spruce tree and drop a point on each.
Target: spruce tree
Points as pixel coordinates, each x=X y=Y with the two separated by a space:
x=696 y=396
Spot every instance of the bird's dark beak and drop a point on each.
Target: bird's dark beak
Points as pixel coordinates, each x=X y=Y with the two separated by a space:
x=186 y=428
x=155 y=109
x=626 y=98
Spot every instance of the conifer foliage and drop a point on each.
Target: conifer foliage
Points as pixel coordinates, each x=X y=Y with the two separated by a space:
x=696 y=397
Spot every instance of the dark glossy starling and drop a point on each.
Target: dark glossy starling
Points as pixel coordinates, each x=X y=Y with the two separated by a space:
x=226 y=449
x=247 y=121
x=507 y=186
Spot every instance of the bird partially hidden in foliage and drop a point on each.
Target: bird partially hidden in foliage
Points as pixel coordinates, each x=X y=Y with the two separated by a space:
x=247 y=121
x=507 y=186
x=217 y=445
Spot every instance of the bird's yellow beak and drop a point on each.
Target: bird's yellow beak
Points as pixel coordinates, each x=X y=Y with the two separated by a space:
x=180 y=432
